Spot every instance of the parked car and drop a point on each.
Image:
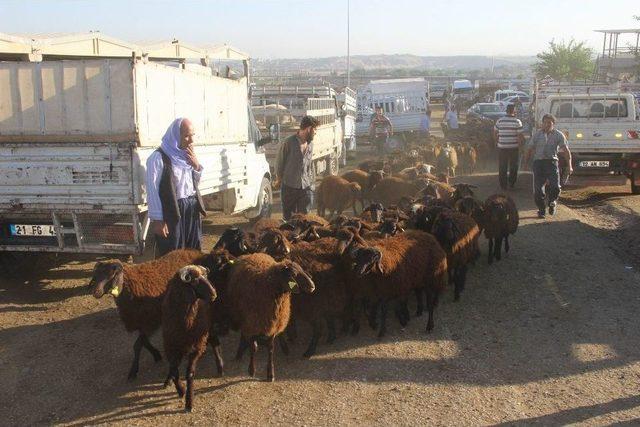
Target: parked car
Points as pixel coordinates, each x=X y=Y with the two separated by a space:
x=483 y=111
x=524 y=99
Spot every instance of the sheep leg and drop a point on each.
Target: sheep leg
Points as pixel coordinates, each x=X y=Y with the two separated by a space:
x=331 y=329
x=419 y=301
x=242 y=347
x=432 y=301
x=315 y=337
x=137 y=347
x=154 y=351
x=384 y=307
x=506 y=243
x=373 y=315
x=498 y=248
x=191 y=371
x=271 y=377
x=490 y=259
x=402 y=312
x=215 y=345
x=174 y=374
x=252 y=361
x=283 y=345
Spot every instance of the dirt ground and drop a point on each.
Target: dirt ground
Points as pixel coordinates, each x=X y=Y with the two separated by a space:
x=548 y=335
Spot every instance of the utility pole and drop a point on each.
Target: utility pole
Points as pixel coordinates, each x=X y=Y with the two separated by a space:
x=348 y=48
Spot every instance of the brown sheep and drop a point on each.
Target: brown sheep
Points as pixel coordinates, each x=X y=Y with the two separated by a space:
x=469 y=159
x=389 y=269
x=447 y=161
x=391 y=190
x=138 y=291
x=500 y=220
x=259 y=301
x=185 y=324
x=336 y=194
x=366 y=180
x=458 y=235
x=468 y=205
x=371 y=165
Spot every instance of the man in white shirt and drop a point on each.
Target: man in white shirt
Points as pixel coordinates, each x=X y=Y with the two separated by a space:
x=452 y=118
x=175 y=205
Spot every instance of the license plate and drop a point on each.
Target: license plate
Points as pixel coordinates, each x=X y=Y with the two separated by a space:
x=42 y=230
x=594 y=164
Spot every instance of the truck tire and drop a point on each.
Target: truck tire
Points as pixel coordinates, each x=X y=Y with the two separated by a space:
x=635 y=182
x=265 y=201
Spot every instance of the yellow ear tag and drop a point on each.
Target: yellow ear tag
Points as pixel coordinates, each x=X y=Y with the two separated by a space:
x=115 y=291
x=293 y=286
x=231 y=261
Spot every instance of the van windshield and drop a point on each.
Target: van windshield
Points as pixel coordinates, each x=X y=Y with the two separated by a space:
x=590 y=108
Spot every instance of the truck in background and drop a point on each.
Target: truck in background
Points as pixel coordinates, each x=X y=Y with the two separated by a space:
x=284 y=107
x=75 y=136
x=404 y=102
x=347 y=111
x=601 y=123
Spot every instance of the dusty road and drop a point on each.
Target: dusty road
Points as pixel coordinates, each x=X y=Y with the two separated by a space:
x=548 y=335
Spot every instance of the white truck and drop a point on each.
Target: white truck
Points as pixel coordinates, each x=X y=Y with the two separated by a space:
x=404 y=102
x=601 y=123
x=348 y=110
x=75 y=136
x=284 y=107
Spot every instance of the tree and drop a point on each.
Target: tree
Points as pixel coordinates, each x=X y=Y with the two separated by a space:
x=565 y=61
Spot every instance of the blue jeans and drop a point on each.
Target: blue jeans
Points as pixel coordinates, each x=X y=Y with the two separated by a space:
x=546 y=182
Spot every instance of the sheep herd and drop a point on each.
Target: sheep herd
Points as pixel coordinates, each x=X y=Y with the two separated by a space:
x=415 y=234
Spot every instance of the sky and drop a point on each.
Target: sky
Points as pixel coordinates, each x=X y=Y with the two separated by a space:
x=304 y=28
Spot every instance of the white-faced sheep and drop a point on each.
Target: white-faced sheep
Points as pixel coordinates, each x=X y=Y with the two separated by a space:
x=500 y=220
x=259 y=301
x=186 y=320
x=138 y=291
x=447 y=161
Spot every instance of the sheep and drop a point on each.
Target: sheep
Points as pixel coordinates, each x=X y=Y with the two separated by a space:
x=468 y=205
x=391 y=190
x=415 y=172
x=500 y=220
x=468 y=159
x=265 y=224
x=371 y=165
x=138 y=291
x=185 y=324
x=259 y=301
x=462 y=190
x=366 y=180
x=389 y=269
x=447 y=161
x=336 y=194
x=236 y=241
x=458 y=235
x=303 y=221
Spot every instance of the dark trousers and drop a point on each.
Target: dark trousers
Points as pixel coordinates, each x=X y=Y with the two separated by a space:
x=186 y=233
x=379 y=143
x=546 y=182
x=508 y=159
x=295 y=200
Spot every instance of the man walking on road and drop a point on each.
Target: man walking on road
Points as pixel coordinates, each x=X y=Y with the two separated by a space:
x=175 y=205
x=294 y=169
x=543 y=148
x=508 y=135
x=380 y=130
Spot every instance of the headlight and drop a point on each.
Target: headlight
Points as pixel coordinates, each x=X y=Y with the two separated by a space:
x=618 y=135
x=579 y=135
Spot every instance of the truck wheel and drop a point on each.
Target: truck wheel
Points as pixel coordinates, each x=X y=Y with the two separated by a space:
x=265 y=201
x=635 y=182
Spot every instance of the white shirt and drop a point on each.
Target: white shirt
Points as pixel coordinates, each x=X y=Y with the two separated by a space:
x=181 y=177
x=452 y=119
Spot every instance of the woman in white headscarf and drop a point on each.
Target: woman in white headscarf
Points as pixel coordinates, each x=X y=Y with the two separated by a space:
x=175 y=205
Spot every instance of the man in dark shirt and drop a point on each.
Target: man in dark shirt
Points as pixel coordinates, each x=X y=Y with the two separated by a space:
x=380 y=129
x=294 y=169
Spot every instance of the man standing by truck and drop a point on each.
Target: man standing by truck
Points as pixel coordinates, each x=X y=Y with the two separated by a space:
x=380 y=129
x=294 y=169
x=175 y=205
x=508 y=135
x=543 y=148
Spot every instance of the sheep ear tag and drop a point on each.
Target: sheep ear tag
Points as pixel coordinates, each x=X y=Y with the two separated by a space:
x=115 y=291
x=293 y=286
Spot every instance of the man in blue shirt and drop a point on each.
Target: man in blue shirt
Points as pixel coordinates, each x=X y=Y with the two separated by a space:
x=543 y=148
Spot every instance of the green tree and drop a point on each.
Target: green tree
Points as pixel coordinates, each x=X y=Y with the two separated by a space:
x=565 y=61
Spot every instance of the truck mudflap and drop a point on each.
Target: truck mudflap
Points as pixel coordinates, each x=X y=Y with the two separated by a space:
x=104 y=232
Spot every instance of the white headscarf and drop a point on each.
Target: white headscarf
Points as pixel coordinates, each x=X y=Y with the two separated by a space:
x=171 y=145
